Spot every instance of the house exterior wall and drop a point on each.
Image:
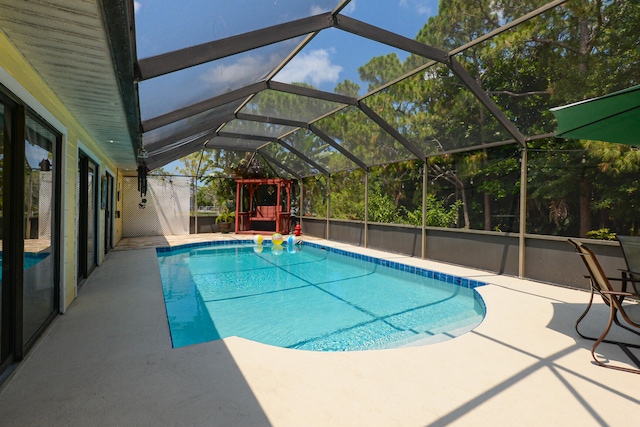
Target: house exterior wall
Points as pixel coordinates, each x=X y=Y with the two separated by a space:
x=21 y=79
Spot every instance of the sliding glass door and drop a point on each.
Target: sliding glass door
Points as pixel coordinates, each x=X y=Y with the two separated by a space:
x=5 y=295
x=40 y=296
x=107 y=200
x=30 y=183
x=87 y=217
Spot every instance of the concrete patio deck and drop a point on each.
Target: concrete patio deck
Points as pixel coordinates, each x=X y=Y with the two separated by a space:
x=108 y=362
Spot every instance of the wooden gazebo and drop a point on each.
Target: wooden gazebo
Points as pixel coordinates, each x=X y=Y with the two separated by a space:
x=263 y=205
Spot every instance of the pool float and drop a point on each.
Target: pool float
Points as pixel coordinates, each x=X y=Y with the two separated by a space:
x=277 y=239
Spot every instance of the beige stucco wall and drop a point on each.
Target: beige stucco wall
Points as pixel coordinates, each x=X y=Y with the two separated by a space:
x=17 y=75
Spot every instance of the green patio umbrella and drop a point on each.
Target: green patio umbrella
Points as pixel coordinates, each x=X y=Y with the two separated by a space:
x=611 y=118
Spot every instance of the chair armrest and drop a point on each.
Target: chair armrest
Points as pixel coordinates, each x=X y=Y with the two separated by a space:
x=629 y=272
x=615 y=279
x=620 y=294
x=628 y=276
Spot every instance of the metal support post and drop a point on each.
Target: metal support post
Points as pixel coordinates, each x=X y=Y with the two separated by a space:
x=366 y=208
x=328 y=203
x=523 y=214
x=425 y=179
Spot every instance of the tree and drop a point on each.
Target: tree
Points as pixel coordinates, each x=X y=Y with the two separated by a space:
x=575 y=51
x=195 y=165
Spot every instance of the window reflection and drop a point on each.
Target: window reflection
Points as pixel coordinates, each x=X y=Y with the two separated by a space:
x=39 y=286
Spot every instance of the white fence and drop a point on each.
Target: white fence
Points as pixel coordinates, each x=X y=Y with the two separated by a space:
x=166 y=211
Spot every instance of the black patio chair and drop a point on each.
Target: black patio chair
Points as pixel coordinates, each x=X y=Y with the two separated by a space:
x=630 y=312
x=631 y=250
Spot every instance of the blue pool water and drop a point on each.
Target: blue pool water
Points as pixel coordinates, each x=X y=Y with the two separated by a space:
x=309 y=297
x=30 y=259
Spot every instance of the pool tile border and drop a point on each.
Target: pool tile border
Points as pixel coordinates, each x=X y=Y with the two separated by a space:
x=443 y=277
x=202 y=244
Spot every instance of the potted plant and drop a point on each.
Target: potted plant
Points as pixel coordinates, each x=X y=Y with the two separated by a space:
x=225 y=219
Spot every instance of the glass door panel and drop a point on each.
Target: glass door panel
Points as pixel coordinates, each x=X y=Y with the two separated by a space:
x=5 y=332
x=86 y=188
x=107 y=201
x=91 y=217
x=39 y=289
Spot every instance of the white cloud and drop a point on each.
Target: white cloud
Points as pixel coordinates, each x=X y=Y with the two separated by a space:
x=247 y=69
x=136 y=6
x=314 y=67
x=351 y=7
x=317 y=10
x=421 y=7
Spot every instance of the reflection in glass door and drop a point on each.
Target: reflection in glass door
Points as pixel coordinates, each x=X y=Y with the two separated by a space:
x=29 y=229
x=40 y=295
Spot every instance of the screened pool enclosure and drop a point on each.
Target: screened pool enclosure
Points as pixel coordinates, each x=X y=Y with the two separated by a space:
x=417 y=127
x=444 y=123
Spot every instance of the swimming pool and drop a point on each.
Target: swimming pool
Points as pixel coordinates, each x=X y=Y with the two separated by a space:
x=30 y=258
x=310 y=297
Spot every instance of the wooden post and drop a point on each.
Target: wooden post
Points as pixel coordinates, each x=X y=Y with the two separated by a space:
x=278 y=206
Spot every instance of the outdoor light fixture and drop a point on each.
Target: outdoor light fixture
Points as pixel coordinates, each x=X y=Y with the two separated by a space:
x=142 y=154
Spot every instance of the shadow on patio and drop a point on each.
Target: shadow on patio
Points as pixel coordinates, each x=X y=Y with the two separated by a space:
x=109 y=361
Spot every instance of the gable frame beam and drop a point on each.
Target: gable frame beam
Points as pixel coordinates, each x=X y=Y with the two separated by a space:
x=326 y=138
x=388 y=38
x=392 y=131
x=302 y=156
x=270 y=159
x=200 y=107
x=271 y=120
x=312 y=93
x=170 y=62
x=486 y=100
x=210 y=126
x=268 y=139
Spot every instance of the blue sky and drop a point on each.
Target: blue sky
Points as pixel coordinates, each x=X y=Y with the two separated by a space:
x=166 y=25
x=332 y=57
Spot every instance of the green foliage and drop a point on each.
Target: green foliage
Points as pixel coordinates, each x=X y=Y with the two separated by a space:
x=207 y=195
x=438 y=215
x=195 y=165
x=314 y=197
x=347 y=195
x=382 y=209
x=575 y=51
x=601 y=234
x=225 y=216
x=348 y=88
